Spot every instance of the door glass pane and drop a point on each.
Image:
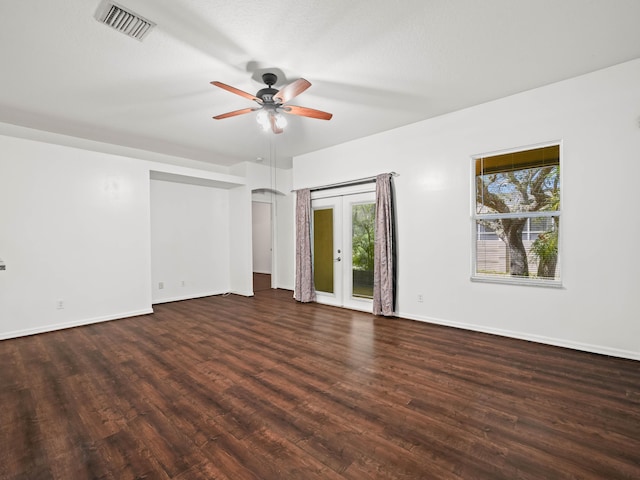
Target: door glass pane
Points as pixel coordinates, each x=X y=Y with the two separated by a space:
x=362 y=244
x=323 y=250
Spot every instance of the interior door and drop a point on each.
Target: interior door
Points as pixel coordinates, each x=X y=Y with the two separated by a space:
x=343 y=235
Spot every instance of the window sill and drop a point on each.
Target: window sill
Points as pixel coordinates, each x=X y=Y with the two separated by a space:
x=530 y=282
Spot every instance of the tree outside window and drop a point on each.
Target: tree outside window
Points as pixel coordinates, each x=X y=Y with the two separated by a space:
x=517 y=215
x=363 y=241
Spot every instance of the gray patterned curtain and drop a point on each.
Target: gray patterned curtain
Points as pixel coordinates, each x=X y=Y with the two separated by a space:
x=383 y=266
x=304 y=290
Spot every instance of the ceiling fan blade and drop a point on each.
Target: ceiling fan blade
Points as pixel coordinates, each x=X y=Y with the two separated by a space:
x=274 y=126
x=292 y=90
x=235 y=113
x=307 y=112
x=237 y=91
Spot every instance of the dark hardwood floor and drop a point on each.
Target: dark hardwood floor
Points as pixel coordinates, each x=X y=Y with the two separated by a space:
x=264 y=388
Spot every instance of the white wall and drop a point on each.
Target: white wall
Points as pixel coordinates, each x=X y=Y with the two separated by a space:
x=285 y=241
x=74 y=227
x=189 y=241
x=596 y=117
x=240 y=257
x=75 y=232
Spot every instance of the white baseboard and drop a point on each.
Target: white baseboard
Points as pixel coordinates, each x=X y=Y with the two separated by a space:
x=187 y=297
x=76 y=323
x=558 y=342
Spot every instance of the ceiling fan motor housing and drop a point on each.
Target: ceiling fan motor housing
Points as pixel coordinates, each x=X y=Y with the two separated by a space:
x=266 y=94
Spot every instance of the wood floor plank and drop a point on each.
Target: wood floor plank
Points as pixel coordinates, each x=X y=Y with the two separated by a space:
x=126 y=460
x=229 y=387
x=22 y=448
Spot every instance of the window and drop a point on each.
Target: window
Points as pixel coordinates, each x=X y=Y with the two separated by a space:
x=517 y=217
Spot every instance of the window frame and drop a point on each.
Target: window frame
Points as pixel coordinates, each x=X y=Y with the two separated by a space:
x=507 y=279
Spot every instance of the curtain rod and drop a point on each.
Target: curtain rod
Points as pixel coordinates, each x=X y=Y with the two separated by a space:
x=358 y=181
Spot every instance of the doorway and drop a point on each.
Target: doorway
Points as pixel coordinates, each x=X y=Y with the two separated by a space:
x=343 y=244
x=262 y=245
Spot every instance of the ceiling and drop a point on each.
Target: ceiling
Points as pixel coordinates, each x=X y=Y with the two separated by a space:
x=374 y=64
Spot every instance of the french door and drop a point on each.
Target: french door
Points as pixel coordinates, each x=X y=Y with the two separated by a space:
x=343 y=240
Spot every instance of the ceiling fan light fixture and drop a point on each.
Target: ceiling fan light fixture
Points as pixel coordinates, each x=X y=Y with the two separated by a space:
x=263 y=120
x=281 y=120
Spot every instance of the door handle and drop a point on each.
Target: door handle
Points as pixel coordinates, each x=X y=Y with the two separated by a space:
x=338 y=259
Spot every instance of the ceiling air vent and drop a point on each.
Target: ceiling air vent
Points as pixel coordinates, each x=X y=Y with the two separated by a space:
x=123 y=20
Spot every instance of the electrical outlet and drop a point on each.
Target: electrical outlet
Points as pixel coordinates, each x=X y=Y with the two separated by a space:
x=160 y=285
x=59 y=304
x=420 y=298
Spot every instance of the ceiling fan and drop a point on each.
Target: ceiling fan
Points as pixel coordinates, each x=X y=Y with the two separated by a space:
x=272 y=103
